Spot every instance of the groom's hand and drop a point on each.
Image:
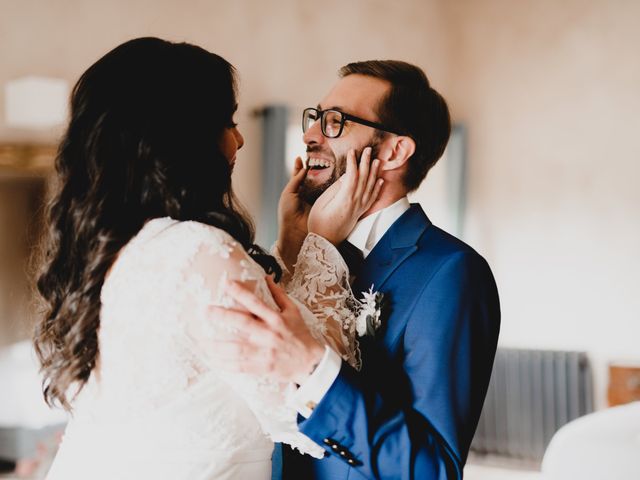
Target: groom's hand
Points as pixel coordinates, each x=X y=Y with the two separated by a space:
x=263 y=341
x=293 y=213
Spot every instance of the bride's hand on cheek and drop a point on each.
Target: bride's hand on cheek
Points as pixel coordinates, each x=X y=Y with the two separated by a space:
x=338 y=209
x=293 y=210
x=293 y=213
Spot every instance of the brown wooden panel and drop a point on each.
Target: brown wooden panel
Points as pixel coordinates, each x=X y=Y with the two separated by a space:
x=624 y=384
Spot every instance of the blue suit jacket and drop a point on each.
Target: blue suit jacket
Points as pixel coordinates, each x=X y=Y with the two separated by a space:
x=412 y=410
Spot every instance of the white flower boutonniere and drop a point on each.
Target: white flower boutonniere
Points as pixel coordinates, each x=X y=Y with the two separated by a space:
x=368 y=320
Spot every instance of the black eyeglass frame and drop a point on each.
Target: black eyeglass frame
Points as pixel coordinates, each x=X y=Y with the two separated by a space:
x=320 y=115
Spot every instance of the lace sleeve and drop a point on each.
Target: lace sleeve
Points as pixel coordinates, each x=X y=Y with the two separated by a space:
x=286 y=274
x=219 y=258
x=321 y=282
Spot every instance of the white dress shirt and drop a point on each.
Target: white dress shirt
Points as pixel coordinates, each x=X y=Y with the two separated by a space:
x=364 y=236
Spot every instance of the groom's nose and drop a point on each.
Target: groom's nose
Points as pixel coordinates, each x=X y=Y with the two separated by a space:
x=313 y=134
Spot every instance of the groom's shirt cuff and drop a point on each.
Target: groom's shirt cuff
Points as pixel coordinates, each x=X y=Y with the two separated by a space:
x=309 y=394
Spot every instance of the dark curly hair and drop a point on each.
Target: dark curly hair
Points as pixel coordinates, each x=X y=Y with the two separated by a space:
x=142 y=142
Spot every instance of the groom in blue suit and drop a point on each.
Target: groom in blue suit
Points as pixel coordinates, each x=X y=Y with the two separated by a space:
x=412 y=410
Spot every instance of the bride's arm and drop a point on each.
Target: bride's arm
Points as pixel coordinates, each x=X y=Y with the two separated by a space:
x=218 y=262
x=334 y=213
x=293 y=213
x=321 y=277
x=321 y=283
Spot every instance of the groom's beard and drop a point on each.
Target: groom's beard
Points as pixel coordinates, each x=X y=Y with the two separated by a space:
x=309 y=191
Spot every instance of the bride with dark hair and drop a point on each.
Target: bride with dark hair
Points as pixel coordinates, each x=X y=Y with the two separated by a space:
x=143 y=235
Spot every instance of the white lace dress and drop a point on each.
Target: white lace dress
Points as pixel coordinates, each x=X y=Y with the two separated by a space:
x=155 y=407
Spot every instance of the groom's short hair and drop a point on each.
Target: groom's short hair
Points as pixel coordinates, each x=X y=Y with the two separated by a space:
x=411 y=107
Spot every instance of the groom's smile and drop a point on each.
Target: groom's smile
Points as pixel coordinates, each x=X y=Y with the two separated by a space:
x=323 y=169
x=320 y=167
x=355 y=95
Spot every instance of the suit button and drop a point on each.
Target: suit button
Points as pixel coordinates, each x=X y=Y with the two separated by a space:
x=328 y=441
x=335 y=447
x=352 y=462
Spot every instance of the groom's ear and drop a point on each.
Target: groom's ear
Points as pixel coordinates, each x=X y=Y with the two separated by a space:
x=395 y=152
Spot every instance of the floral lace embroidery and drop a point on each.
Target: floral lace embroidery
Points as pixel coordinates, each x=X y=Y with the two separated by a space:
x=155 y=376
x=321 y=282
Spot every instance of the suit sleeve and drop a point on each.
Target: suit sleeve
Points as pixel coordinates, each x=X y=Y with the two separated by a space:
x=412 y=416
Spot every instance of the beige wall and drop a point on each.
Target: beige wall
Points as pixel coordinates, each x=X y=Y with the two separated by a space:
x=549 y=91
x=285 y=51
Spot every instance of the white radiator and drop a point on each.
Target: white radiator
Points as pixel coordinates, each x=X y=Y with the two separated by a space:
x=531 y=395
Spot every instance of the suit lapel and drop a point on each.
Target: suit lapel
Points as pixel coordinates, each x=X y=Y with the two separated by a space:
x=395 y=246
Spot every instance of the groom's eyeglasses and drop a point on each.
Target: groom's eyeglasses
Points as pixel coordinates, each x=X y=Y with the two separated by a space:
x=332 y=122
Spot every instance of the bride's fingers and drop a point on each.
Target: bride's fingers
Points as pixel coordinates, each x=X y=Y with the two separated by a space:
x=251 y=302
x=363 y=172
x=350 y=178
x=374 y=194
x=328 y=195
x=235 y=324
x=299 y=174
x=370 y=181
x=279 y=295
x=230 y=350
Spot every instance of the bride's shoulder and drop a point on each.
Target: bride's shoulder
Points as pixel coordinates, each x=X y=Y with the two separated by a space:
x=202 y=249
x=175 y=235
x=202 y=231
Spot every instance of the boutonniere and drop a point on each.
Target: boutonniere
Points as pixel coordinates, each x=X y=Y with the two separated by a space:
x=369 y=317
